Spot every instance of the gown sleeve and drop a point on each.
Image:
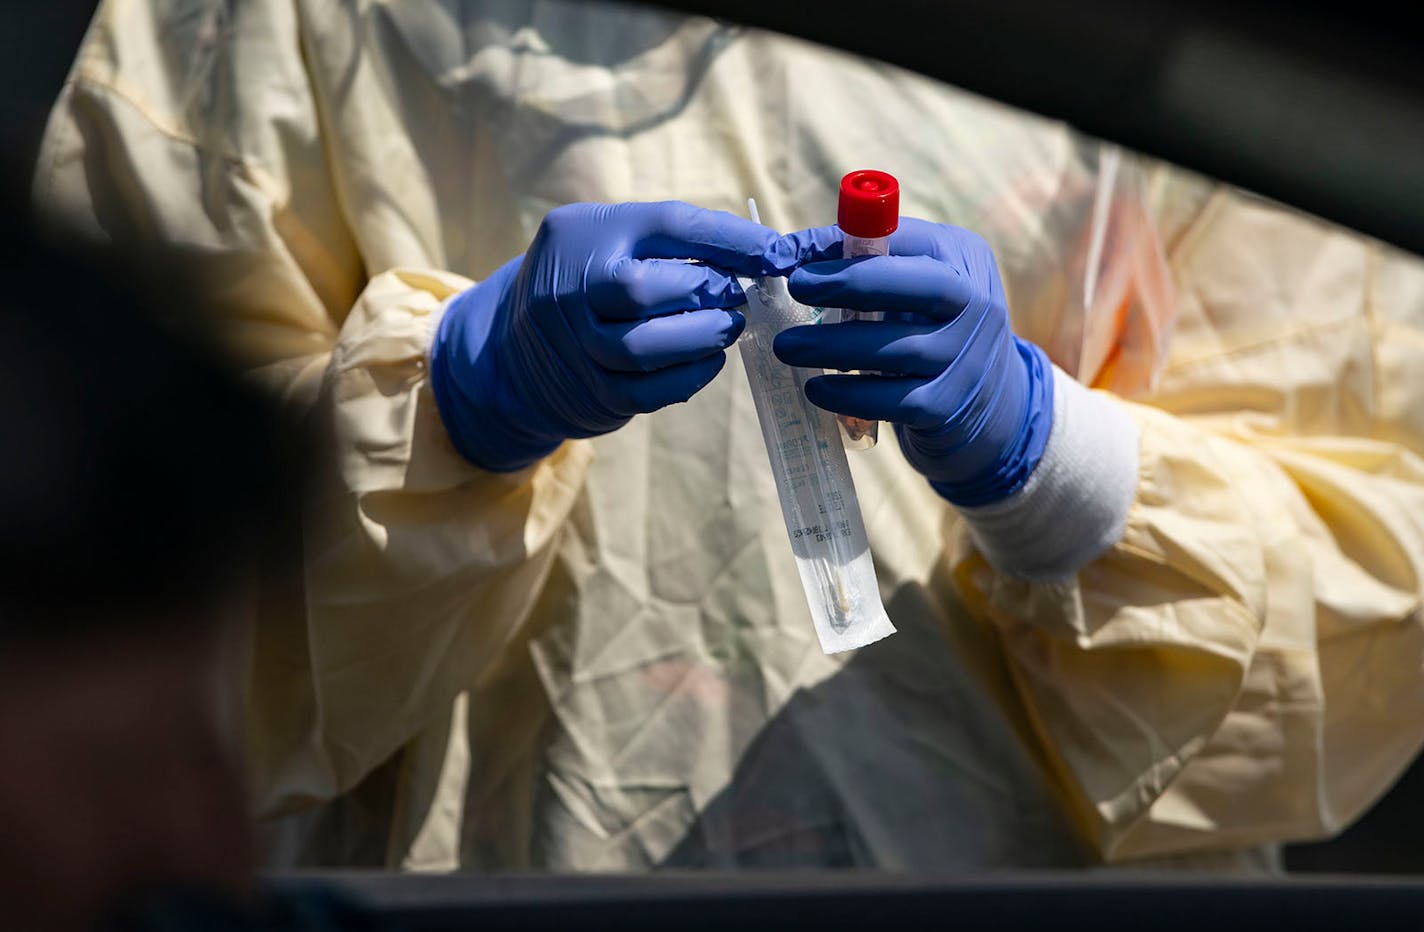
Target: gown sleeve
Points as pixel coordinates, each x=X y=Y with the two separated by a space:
x=1238 y=659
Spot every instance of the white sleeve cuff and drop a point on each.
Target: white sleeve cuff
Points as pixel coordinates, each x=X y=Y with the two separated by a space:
x=1075 y=504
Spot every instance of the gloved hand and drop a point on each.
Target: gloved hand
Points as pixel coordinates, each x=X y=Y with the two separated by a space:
x=596 y=323
x=971 y=403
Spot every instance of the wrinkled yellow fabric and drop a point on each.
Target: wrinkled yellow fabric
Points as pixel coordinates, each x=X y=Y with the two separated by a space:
x=605 y=661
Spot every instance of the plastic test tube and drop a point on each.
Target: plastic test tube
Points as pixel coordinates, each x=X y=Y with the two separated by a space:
x=868 y=213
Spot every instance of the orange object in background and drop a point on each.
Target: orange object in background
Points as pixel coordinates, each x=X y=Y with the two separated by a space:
x=1083 y=266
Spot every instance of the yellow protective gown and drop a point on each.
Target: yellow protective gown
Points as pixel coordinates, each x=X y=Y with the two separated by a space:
x=606 y=661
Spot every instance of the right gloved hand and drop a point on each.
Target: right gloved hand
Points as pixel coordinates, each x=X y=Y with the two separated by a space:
x=596 y=323
x=972 y=404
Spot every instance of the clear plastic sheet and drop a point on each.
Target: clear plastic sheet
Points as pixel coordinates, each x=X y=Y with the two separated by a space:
x=813 y=481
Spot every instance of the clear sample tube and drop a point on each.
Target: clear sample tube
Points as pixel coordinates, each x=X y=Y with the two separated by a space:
x=813 y=481
x=869 y=211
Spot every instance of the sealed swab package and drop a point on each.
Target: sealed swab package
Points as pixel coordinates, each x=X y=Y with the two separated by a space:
x=813 y=481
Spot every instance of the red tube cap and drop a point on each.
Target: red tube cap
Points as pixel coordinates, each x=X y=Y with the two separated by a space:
x=870 y=204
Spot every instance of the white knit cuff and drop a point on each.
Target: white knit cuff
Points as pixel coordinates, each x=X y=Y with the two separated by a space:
x=1075 y=504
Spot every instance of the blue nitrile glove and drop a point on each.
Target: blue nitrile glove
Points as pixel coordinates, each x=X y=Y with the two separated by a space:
x=599 y=321
x=972 y=404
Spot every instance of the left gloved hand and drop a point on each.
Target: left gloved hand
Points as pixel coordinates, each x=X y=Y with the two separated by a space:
x=972 y=404
x=600 y=321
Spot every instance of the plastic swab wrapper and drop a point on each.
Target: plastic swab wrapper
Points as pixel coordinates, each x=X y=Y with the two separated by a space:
x=813 y=482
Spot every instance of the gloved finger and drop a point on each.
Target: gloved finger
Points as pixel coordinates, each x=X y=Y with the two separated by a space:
x=900 y=399
x=906 y=284
x=629 y=289
x=659 y=342
x=645 y=392
x=914 y=237
x=894 y=346
x=674 y=230
x=817 y=244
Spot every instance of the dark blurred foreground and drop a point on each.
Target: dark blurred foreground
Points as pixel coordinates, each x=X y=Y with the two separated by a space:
x=37 y=43
x=860 y=901
x=142 y=489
